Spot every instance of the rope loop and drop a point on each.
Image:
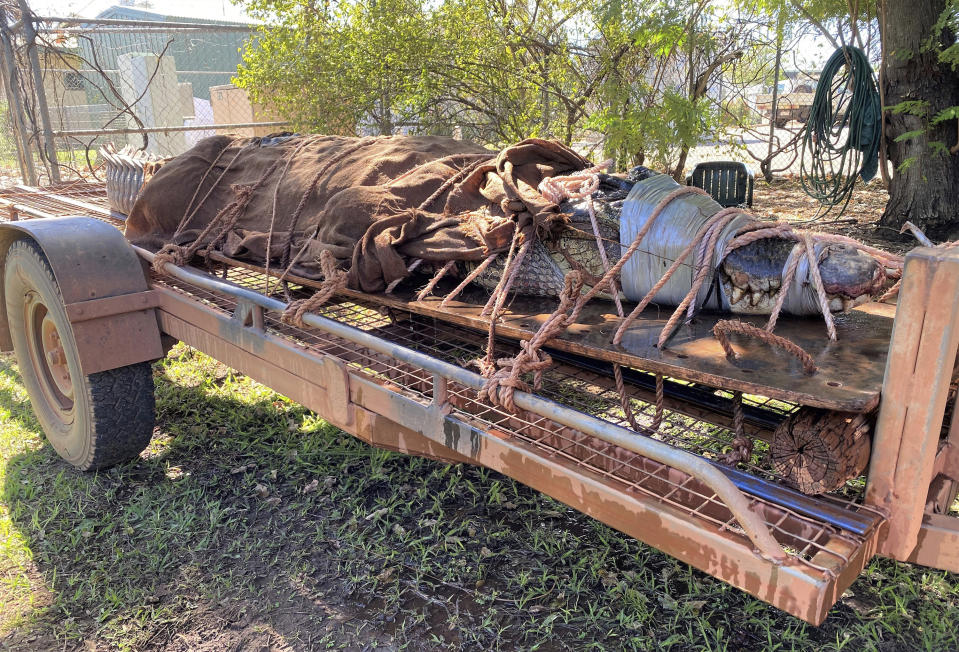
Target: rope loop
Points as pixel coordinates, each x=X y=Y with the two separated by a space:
x=723 y=328
x=334 y=281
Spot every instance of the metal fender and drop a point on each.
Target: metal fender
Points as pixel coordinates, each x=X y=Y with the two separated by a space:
x=104 y=288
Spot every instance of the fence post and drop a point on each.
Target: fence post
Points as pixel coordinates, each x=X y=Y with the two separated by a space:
x=49 y=145
x=15 y=104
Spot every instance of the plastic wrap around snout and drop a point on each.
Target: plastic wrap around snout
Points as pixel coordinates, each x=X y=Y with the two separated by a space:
x=676 y=226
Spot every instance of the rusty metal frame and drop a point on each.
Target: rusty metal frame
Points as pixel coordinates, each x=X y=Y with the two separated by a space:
x=919 y=370
x=750 y=558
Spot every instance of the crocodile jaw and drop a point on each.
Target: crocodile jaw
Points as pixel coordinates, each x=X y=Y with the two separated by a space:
x=751 y=280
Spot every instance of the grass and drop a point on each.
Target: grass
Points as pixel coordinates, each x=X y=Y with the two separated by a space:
x=250 y=523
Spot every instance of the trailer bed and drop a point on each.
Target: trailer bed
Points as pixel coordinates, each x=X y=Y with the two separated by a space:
x=374 y=392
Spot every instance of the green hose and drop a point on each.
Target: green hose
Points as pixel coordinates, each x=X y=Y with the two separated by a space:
x=841 y=137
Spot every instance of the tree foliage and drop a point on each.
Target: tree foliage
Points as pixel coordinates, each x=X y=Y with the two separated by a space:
x=497 y=71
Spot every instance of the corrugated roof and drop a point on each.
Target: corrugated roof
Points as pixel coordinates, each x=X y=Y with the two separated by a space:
x=135 y=13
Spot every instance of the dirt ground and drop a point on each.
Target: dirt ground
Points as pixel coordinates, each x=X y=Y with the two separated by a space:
x=784 y=199
x=251 y=524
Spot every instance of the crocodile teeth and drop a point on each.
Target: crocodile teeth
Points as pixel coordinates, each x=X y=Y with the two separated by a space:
x=738 y=293
x=835 y=305
x=755 y=298
x=774 y=284
x=759 y=284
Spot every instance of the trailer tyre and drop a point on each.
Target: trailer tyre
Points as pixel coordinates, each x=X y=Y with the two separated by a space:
x=92 y=421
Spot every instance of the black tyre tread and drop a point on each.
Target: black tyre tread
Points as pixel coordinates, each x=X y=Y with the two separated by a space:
x=124 y=414
x=122 y=399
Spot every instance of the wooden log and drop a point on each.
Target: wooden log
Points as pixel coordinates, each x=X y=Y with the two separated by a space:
x=817 y=451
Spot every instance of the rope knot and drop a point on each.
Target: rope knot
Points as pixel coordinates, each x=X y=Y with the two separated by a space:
x=334 y=281
x=244 y=191
x=171 y=253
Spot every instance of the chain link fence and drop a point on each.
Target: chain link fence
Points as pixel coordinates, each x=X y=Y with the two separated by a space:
x=73 y=85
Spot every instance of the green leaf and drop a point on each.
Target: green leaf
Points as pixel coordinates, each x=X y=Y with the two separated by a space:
x=951 y=113
x=910 y=107
x=910 y=135
x=906 y=163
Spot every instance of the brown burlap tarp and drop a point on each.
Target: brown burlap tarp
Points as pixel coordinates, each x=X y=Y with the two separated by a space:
x=369 y=201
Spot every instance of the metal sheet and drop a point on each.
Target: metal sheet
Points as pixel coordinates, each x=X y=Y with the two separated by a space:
x=850 y=370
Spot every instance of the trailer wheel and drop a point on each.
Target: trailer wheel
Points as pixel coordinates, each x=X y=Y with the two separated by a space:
x=92 y=421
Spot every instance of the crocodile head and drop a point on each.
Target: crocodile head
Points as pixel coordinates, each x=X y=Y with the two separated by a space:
x=752 y=275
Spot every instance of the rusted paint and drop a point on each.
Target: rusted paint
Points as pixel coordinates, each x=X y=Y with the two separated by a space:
x=91 y=262
x=937 y=543
x=920 y=365
x=849 y=379
x=111 y=306
x=379 y=410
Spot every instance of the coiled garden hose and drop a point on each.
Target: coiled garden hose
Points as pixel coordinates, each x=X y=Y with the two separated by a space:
x=841 y=138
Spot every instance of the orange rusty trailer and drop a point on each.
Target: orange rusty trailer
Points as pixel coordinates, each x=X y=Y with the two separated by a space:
x=86 y=315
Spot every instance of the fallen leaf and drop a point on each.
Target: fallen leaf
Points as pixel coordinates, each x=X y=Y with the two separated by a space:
x=378 y=513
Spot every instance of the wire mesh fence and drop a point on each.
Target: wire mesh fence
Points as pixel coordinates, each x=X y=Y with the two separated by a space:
x=74 y=85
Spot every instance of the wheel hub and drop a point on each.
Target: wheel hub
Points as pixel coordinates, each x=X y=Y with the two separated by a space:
x=55 y=356
x=49 y=356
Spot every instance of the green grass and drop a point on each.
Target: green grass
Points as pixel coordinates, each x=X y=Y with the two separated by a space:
x=251 y=523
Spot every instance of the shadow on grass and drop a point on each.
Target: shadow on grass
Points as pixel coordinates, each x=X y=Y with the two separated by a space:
x=249 y=522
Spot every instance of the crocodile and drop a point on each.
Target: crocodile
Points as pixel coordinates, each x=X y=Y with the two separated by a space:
x=746 y=281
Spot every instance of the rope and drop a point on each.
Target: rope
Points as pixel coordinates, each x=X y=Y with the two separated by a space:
x=425 y=292
x=225 y=220
x=510 y=272
x=710 y=235
x=276 y=195
x=295 y=218
x=820 y=289
x=180 y=255
x=469 y=279
x=579 y=186
x=502 y=381
x=891 y=292
x=742 y=445
x=436 y=161
x=624 y=401
x=787 y=281
x=449 y=183
x=409 y=270
x=501 y=292
x=842 y=135
x=504 y=377
x=334 y=281
x=660 y=400
x=723 y=328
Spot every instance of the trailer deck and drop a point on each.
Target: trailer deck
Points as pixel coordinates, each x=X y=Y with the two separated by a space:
x=394 y=374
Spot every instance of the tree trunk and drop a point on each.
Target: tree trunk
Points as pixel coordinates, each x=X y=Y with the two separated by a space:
x=925 y=191
x=767 y=163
